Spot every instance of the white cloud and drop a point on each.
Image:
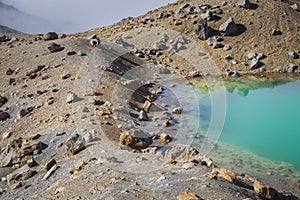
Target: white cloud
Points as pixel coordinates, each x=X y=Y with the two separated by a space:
x=86 y=14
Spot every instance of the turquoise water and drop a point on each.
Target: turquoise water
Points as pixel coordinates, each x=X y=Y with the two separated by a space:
x=263 y=121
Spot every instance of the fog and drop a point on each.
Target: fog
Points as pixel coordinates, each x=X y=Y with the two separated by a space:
x=72 y=15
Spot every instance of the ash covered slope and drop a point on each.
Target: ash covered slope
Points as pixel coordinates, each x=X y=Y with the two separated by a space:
x=269 y=27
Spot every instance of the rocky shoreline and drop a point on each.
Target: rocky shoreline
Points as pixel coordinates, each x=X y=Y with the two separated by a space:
x=85 y=118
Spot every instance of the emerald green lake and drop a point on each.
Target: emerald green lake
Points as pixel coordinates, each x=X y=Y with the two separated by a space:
x=262 y=119
x=266 y=122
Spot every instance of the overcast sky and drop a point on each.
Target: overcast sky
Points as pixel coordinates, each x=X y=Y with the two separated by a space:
x=86 y=14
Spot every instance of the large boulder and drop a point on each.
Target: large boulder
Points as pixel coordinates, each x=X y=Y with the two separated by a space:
x=75 y=144
x=25 y=111
x=203 y=30
x=229 y=28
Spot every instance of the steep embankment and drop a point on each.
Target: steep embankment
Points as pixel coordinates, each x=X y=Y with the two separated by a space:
x=256 y=31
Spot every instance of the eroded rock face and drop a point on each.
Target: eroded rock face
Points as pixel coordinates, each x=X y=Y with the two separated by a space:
x=75 y=144
x=135 y=142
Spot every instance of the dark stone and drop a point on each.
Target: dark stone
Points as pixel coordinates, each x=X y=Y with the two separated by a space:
x=202 y=31
x=229 y=72
x=260 y=56
x=245 y=3
x=256 y=64
x=53 y=47
x=4 y=115
x=276 y=32
x=50 y=36
x=12 y=81
x=229 y=28
x=210 y=41
x=3 y=101
x=71 y=53
x=9 y=71
x=292 y=68
x=163 y=15
x=4 y=38
x=25 y=111
x=39 y=68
